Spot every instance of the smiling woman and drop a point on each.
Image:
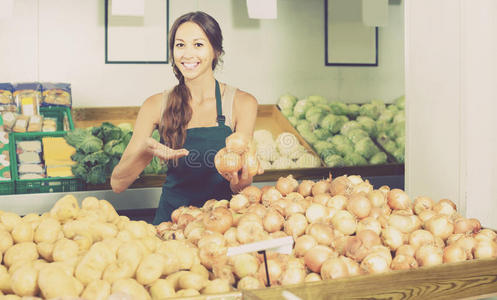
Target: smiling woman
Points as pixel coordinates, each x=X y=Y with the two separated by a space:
x=194 y=119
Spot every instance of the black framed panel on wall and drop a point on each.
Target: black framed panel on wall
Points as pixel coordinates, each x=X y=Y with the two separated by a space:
x=347 y=41
x=137 y=38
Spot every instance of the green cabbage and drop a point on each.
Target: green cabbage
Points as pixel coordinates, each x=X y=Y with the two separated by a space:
x=77 y=136
x=353 y=110
x=342 y=144
x=348 y=126
x=322 y=146
x=400 y=102
x=114 y=148
x=368 y=124
x=309 y=137
x=300 y=108
x=378 y=159
x=399 y=154
x=287 y=101
x=316 y=99
x=355 y=159
x=333 y=122
x=355 y=135
x=95 y=158
x=387 y=115
x=314 y=115
x=400 y=117
x=366 y=148
x=125 y=127
x=90 y=144
x=373 y=109
x=287 y=112
x=322 y=133
x=334 y=160
x=97 y=175
x=339 y=108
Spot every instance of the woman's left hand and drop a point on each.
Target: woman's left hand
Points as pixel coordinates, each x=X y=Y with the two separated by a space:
x=242 y=179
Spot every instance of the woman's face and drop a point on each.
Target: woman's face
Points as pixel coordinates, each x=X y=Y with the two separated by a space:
x=193 y=53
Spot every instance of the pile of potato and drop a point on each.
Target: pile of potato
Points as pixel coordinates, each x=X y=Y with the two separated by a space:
x=90 y=252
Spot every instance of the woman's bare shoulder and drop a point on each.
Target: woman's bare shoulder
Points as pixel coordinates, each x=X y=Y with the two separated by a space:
x=151 y=107
x=245 y=100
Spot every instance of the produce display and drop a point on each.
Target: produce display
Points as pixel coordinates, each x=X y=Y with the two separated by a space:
x=345 y=134
x=341 y=226
x=44 y=157
x=285 y=152
x=99 y=149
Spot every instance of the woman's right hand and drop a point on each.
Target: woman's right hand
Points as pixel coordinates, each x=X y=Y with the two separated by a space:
x=162 y=151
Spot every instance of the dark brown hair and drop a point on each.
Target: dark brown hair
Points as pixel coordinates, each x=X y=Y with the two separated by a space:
x=178 y=111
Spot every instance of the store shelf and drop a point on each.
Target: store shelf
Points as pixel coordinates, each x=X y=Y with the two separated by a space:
x=268 y=117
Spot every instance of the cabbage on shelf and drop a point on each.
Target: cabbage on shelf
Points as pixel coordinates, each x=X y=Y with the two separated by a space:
x=318 y=120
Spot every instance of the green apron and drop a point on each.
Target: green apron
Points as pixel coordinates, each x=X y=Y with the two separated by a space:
x=195 y=179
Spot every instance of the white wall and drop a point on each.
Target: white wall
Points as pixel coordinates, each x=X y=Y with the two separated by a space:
x=451 y=95
x=54 y=40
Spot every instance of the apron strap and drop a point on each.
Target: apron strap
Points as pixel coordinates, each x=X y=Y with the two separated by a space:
x=219 y=106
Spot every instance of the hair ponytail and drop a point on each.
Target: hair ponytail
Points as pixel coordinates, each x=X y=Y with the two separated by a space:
x=176 y=115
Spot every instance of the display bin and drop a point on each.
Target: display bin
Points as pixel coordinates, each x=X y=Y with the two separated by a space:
x=474 y=279
x=7 y=187
x=43 y=185
x=60 y=113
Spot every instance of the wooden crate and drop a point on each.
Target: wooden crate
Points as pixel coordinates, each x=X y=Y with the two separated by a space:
x=269 y=117
x=462 y=280
x=94 y=116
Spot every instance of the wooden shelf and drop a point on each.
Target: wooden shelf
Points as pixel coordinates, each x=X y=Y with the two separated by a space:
x=268 y=117
x=447 y=281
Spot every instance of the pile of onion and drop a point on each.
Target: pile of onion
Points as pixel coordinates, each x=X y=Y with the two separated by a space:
x=341 y=227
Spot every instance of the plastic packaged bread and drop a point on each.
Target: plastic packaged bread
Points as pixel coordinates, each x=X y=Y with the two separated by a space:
x=26 y=168
x=7 y=102
x=35 y=123
x=49 y=125
x=28 y=146
x=29 y=158
x=56 y=94
x=28 y=97
x=8 y=119
x=21 y=124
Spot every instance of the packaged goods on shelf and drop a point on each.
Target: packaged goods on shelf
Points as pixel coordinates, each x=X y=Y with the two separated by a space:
x=28 y=97
x=7 y=101
x=21 y=124
x=35 y=123
x=56 y=94
x=50 y=151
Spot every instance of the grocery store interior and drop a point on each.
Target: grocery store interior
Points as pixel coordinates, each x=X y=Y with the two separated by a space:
x=401 y=93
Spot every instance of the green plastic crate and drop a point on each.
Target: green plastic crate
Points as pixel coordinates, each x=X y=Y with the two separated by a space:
x=60 y=113
x=42 y=185
x=7 y=186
